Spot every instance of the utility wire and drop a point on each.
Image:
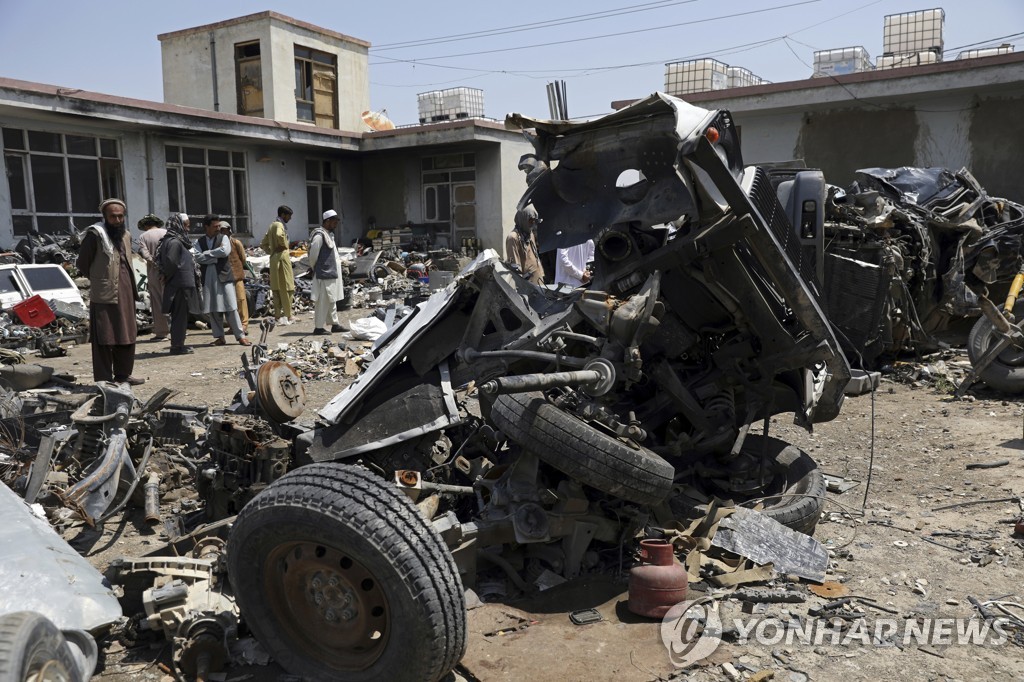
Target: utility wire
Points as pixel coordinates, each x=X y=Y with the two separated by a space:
x=597 y=37
x=532 y=26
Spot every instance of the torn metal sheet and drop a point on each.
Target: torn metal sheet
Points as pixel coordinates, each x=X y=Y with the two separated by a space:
x=763 y=540
x=41 y=572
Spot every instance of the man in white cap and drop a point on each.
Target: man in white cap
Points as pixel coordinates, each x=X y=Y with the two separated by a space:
x=328 y=288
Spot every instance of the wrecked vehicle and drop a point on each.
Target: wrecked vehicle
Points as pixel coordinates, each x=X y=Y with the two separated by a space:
x=599 y=414
x=911 y=254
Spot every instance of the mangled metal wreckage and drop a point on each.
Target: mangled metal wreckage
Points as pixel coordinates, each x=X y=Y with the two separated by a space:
x=915 y=256
x=593 y=409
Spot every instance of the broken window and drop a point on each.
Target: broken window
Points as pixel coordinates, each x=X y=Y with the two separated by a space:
x=249 y=78
x=316 y=77
x=449 y=196
x=202 y=181
x=321 y=189
x=57 y=179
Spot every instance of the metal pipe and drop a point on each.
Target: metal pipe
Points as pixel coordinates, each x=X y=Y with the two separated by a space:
x=538 y=382
x=213 y=67
x=446 y=488
x=472 y=355
x=152 y=499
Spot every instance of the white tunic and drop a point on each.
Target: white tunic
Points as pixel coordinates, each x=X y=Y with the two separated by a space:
x=332 y=289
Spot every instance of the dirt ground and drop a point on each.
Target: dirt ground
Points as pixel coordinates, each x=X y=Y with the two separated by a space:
x=902 y=553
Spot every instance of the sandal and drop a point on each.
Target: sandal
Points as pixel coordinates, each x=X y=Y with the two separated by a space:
x=218 y=342
x=244 y=342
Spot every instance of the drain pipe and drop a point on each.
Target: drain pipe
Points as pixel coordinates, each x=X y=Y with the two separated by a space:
x=147 y=141
x=213 y=66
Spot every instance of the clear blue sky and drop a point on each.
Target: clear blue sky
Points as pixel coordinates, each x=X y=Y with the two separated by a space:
x=110 y=46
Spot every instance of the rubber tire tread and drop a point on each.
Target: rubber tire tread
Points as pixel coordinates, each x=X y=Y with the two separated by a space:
x=582 y=452
x=1003 y=378
x=24 y=636
x=800 y=513
x=352 y=496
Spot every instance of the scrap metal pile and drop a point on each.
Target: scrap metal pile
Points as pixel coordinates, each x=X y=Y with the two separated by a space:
x=908 y=252
x=501 y=437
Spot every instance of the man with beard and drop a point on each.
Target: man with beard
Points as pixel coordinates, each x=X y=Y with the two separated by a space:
x=237 y=259
x=105 y=257
x=327 y=284
x=178 y=267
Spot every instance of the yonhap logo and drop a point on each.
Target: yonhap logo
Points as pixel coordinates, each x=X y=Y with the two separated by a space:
x=691 y=631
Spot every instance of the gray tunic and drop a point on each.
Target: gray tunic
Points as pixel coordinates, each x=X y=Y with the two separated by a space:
x=218 y=297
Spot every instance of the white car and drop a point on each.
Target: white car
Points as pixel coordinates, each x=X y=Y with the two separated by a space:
x=19 y=282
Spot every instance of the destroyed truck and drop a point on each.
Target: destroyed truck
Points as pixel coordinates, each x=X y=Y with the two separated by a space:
x=505 y=432
x=914 y=258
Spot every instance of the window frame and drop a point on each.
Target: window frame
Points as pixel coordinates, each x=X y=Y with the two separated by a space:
x=109 y=176
x=440 y=177
x=320 y=185
x=238 y=185
x=305 y=58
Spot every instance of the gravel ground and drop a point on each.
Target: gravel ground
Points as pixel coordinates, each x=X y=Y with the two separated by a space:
x=923 y=441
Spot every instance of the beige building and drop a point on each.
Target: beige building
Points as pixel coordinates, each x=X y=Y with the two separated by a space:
x=270 y=66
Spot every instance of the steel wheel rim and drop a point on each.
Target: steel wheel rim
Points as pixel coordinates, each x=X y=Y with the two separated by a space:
x=330 y=606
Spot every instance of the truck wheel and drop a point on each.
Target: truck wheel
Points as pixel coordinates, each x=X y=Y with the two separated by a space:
x=798 y=486
x=32 y=648
x=581 y=451
x=340 y=577
x=1006 y=373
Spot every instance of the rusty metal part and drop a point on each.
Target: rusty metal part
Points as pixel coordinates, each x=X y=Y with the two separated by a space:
x=830 y=590
x=94 y=493
x=328 y=603
x=831 y=606
x=598 y=377
x=279 y=391
x=659 y=582
x=152 y=499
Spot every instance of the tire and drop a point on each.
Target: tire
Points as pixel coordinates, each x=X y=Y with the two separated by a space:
x=581 y=451
x=798 y=478
x=1006 y=372
x=340 y=577
x=31 y=647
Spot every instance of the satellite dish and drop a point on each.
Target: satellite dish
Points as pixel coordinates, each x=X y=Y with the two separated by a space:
x=378 y=120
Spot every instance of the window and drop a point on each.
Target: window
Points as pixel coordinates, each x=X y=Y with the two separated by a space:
x=321 y=190
x=202 y=181
x=57 y=179
x=249 y=78
x=316 y=76
x=449 y=195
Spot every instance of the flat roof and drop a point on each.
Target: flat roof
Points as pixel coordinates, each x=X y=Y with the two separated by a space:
x=269 y=14
x=877 y=75
x=30 y=97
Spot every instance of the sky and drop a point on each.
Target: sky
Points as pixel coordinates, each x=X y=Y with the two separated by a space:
x=605 y=50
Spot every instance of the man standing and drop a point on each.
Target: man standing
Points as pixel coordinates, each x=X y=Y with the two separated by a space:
x=571 y=264
x=328 y=288
x=282 y=281
x=521 y=246
x=218 y=282
x=105 y=257
x=153 y=231
x=178 y=267
x=237 y=260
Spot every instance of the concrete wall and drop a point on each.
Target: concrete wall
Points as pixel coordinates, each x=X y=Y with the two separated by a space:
x=996 y=139
x=187 y=67
x=955 y=130
x=389 y=183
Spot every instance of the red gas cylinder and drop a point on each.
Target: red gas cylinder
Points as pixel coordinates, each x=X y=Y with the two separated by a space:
x=659 y=582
